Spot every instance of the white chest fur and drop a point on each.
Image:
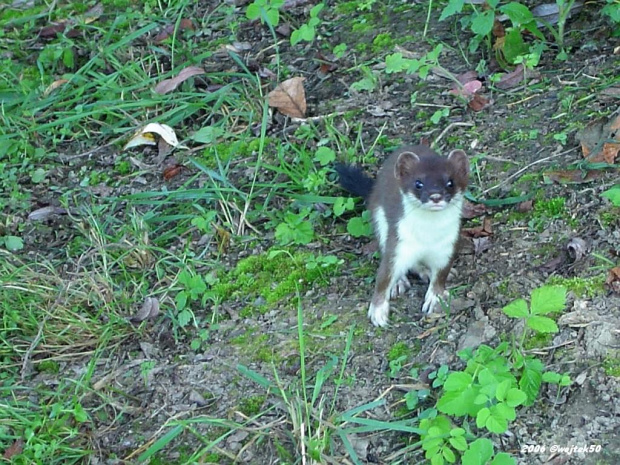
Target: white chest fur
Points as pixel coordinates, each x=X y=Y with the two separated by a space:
x=425 y=239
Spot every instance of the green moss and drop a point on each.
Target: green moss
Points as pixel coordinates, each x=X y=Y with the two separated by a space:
x=612 y=366
x=269 y=280
x=49 y=366
x=382 y=42
x=552 y=208
x=251 y=405
x=581 y=287
x=610 y=218
x=538 y=340
x=398 y=350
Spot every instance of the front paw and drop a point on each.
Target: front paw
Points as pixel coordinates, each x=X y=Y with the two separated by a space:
x=378 y=313
x=434 y=302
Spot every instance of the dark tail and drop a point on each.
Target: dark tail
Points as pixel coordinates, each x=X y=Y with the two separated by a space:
x=354 y=180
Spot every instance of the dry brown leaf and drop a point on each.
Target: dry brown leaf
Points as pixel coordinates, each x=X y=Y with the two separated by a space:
x=515 y=78
x=478 y=102
x=172 y=171
x=525 y=206
x=53 y=86
x=598 y=140
x=473 y=210
x=13 y=449
x=289 y=97
x=42 y=214
x=577 y=248
x=484 y=230
x=168 y=30
x=613 y=279
x=53 y=30
x=571 y=176
x=498 y=29
x=168 y=85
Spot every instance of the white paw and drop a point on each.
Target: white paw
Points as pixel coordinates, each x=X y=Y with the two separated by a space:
x=378 y=314
x=433 y=302
x=400 y=287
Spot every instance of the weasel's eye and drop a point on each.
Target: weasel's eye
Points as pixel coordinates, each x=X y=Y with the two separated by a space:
x=450 y=183
x=419 y=184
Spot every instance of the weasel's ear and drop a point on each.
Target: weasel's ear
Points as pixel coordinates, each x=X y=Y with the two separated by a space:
x=405 y=164
x=459 y=161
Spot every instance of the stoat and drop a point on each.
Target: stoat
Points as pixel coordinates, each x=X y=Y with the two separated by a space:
x=415 y=203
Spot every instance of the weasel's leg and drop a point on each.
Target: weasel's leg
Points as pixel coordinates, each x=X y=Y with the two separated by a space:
x=436 y=291
x=380 y=306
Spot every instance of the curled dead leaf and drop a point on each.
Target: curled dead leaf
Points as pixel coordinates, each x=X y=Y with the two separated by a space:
x=613 y=279
x=515 y=78
x=168 y=85
x=473 y=210
x=571 y=176
x=146 y=136
x=172 y=171
x=42 y=214
x=168 y=30
x=149 y=310
x=485 y=229
x=600 y=140
x=525 y=206
x=289 y=97
x=576 y=248
x=53 y=86
x=478 y=102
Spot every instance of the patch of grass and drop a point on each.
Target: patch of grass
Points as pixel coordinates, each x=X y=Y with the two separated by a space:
x=270 y=278
x=612 y=366
x=398 y=350
x=251 y=406
x=580 y=286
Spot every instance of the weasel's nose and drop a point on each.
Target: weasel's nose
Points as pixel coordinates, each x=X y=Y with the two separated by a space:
x=436 y=198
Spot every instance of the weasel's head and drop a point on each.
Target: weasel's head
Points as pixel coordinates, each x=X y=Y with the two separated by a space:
x=430 y=181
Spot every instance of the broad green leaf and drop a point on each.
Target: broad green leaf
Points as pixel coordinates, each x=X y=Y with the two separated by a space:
x=503 y=459
x=504 y=410
x=482 y=24
x=496 y=423
x=514 y=46
x=518 y=13
x=324 y=155
x=449 y=455
x=502 y=389
x=273 y=17
x=184 y=318
x=253 y=11
x=458 y=381
x=531 y=379
x=542 y=324
x=314 y=12
x=395 y=63
x=479 y=453
x=459 y=443
x=181 y=300
x=437 y=459
x=453 y=7
x=548 y=299
x=516 y=309
x=456 y=432
x=13 y=243
x=482 y=417
x=551 y=377
x=515 y=397
x=207 y=135
x=459 y=403
x=358 y=227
